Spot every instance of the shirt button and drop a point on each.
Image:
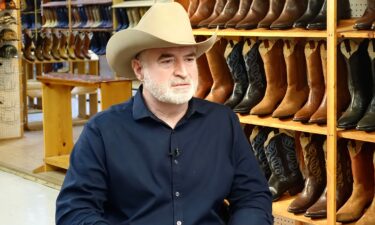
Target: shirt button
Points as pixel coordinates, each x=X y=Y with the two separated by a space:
x=178 y=223
x=175 y=161
x=177 y=194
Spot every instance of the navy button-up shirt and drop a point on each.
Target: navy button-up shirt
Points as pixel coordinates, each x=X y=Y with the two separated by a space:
x=130 y=168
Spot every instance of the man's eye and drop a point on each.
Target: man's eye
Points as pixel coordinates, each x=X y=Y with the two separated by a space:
x=191 y=59
x=166 y=61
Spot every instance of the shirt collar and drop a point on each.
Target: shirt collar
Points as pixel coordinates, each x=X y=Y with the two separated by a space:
x=141 y=111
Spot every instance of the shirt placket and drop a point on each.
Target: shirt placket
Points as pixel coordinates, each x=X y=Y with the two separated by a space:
x=176 y=180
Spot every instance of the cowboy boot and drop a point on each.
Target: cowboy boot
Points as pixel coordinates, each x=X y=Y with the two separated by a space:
x=315 y=81
x=204 y=10
x=369 y=217
x=86 y=45
x=257 y=12
x=274 y=63
x=28 y=43
x=78 y=46
x=281 y=157
x=363 y=187
x=297 y=90
x=228 y=13
x=218 y=8
x=47 y=46
x=257 y=138
x=243 y=9
x=223 y=83
x=193 y=5
x=62 y=46
x=313 y=154
x=313 y=8
x=344 y=183
x=237 y=68
x=293 y=9
x=55 y=46
x=367 y=123
x=204 y=79
x=343 y=96
x=360 y=82
x=257 y=80
x=320 y=21
x=71 y=46
x=276 y=7
x=39 y=46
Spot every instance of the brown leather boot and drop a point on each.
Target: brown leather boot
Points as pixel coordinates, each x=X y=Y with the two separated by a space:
x=86 y=45
x=257 y=12
x=293 y=9
x=315 y=80
x=313 y=154
x=193 y=5
x=204 y=10
x=204 y=79
x=241 y=13
x=368 y=17
x=276 y=7
x=223 y=83
x=363 y=186
x=369 y=217
x=28 y=45
x=218 y=8
x=39 y=46
x=78 y=46
x=228 y=13
x=55 y=46
x=47 y=46
x=71 y=45
x=62 y=46
x=344 y=183
x=274 y=65
x=297 y=91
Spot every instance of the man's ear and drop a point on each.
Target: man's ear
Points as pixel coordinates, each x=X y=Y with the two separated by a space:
x=137 y=68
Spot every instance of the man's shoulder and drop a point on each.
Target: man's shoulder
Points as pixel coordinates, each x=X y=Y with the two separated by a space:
x=118 y=110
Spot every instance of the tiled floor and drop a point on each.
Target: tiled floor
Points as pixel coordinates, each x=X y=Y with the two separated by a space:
x=25 y=202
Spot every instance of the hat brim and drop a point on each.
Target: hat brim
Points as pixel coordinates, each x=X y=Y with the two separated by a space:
x=125 y=44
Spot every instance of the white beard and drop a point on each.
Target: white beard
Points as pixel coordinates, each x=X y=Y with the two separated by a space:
x=165 y=93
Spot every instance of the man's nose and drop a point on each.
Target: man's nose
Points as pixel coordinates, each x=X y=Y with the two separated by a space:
x=180 y=68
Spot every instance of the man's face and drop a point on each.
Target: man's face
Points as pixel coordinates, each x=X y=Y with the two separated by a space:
x=169 y=74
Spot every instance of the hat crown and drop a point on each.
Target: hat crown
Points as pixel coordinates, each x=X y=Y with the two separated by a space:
x=162 y=18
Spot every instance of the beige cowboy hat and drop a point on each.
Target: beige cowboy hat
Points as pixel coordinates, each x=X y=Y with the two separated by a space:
x=163 y=25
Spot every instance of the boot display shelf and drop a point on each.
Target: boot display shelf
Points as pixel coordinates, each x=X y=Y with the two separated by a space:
x=343 y=30
x=144 y=3
x=94 y=58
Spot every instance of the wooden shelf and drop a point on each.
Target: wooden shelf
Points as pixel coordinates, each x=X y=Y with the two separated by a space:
x=261 y=32
x=94 y=57
x=91 y=2
x=129 y=4
x=357 y=135
x=283 y=124
x=345 y=30
x=93 y=29
x=55 y=4
x=61 y=161
x=280 y=208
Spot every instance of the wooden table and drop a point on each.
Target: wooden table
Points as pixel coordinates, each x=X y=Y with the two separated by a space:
x=57 y=111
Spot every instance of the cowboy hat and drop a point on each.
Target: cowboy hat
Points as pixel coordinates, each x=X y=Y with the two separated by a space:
x=163 y=25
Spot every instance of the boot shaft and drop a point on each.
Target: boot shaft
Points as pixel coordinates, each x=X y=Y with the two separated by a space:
x=257 y=138
x=295 y=64
x=314 y=66
x=236 y=63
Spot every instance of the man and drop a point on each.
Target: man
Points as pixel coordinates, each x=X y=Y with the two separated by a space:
x=162 y=158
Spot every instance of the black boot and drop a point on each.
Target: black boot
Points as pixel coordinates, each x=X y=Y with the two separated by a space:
x=257 y=138
x=367 y=123
x=359 y=82
x=281 y=156
x=320 y=21
x=313 y=8
x=237 y=68
x=367 y=18
x=257 y=80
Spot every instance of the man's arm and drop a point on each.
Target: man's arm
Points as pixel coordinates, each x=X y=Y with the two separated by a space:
x=250 y=198
x=84 y=190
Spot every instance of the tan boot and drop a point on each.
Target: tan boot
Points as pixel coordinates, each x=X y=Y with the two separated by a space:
x=271 y=52
x=55 y=45
x=315 y=80
x=222 y=78
x=78 y=46
x=363 y=186
x=193 y=5
x=204 y=10
x=71 y=45
x=47 y=46
x=204 y=79
x=62 y=46
x=297 y=91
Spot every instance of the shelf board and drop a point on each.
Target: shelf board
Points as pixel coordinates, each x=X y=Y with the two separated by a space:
x=61 y=161
x=283 y=124
x=261 y=32
x=55 y=4
x=90 y=2
x=93 y=29
x=94 y=57
x=345 y=30
x=279 y=208
x=357 y=135
x=144 y=3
